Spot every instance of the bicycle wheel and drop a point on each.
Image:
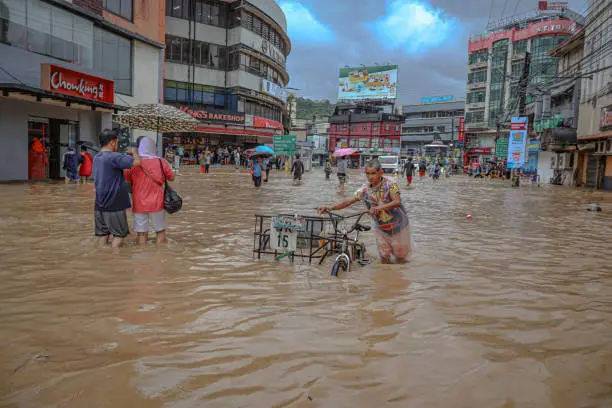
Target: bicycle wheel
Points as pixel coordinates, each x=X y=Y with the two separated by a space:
x=338 y=266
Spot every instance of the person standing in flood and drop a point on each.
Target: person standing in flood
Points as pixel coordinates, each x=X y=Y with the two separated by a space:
x=297 y=169
x=71 y=165
x=86 y=165
x=112 y=194
x=257 y=170
x=342 y=169
x=148 y=187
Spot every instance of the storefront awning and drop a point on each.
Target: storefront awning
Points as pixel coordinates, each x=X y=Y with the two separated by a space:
x=229 y=131
x=20 y=91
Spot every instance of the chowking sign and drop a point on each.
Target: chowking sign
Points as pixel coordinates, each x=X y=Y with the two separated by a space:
x=74 y=83
x=215 y=116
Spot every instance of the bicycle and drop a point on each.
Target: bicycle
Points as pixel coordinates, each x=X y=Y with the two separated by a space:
x=350 y=249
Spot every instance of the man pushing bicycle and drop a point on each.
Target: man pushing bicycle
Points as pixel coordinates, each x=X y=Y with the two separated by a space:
x=382 y=199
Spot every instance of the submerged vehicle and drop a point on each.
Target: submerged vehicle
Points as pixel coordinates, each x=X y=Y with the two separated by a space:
x=390 y=164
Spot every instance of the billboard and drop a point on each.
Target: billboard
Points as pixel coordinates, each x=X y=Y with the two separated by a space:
x=517 y=143
x=437 y=99
x=272 y=89
x=377 y=82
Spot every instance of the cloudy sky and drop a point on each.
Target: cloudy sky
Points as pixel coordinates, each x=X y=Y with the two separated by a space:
x=426 y=38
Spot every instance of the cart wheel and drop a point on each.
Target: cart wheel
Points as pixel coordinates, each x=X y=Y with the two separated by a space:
x=339 y=266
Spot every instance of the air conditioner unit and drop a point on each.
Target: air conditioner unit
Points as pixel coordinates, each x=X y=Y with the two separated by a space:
x=553 y=162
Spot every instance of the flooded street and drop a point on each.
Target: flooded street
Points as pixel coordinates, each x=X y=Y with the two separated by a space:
x=510 y=309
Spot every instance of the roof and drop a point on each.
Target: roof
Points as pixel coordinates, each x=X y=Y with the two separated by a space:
x=433 y=107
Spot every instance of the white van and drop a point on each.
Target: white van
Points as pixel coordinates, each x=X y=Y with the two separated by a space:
x=389 y=164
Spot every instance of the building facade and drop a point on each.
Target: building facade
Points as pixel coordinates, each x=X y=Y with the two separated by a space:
x=426 y=121
x=595 y=115
x=65 y=68
x=365 y=128
x=496 y=61
x=225 y=63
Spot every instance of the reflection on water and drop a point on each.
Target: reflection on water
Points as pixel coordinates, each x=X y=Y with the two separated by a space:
x=510 y=309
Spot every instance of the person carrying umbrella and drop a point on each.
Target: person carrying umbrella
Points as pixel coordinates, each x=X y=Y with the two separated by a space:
x=342 y=155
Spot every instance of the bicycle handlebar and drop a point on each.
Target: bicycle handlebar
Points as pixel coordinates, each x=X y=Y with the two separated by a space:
x=358 y=215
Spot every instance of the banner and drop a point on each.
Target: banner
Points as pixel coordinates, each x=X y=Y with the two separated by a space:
x=531 y=167
x=266 y=123
x=272 y=89
x=437 y=99
x=461 y=133
x=378 y=82
x=517 y=143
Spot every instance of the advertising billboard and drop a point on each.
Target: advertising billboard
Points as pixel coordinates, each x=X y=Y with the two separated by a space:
x=517 y=143
x=437 y=99
x=272 y=89
x=377 y=82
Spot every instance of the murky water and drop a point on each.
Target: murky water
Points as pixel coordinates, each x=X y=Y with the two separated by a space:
x=510 y=309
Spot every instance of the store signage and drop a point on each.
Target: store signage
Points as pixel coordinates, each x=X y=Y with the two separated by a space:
x=436 y=99
x=461 y=132
x=482 y=150
x=266 y=123
x=215 y=116
x=74 y=83
x=264 y=46
x=517 y=142
x=273 y=89
x=606 y=117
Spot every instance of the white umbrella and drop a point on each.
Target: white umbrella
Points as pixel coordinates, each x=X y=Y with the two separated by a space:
x=157 y=117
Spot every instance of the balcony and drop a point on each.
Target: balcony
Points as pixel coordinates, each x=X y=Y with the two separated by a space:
x=477 y=85
x=478 y=64
x=475 y=105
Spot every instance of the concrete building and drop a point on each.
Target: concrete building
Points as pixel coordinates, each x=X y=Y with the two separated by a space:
x=424 y=122
x=65 y=68
x=226 y=65
x=496 y=61
x=554 y=114
x=365 y=128
x=595 y=118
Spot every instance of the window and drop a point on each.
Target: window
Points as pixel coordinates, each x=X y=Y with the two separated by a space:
x=363 y=127
x=475 y=97
x=113 y=57
x=477 y=77
x=375 y=127
x=182 y=51
x=478 y=56
x=441 y=129
x=122 y=8
x=474 y=117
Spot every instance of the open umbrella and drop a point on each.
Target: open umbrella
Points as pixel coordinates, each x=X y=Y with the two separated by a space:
x=156 y=117
x=264 y=150
x=344 y=152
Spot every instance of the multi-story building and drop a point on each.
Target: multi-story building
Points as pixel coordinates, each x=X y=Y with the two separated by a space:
x=595 y=119
x=226 y=65
x=365 y=128
x=65 y=67
x=495 y=63
x=425 y=121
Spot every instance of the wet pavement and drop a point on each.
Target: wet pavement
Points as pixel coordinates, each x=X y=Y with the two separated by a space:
x=512 y=308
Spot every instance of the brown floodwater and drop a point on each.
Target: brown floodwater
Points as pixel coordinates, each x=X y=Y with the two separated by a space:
x=510 y=309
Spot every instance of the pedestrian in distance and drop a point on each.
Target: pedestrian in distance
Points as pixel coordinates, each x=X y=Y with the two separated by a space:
x=268 y=167
x=86 y=165
x=342 y=170
x=297 y=169
x=382 y=199
x=148 y=188
x=71 y=165
x=409 y=171
x=112 y=193
x=257 y=171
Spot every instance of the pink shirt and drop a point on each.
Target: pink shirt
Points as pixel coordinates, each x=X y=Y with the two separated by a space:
x=148 y=195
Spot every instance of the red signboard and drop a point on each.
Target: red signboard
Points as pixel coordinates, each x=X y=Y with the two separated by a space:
x=518 y=126
x=74 y=83
x=266 y=123
x=481 y=150
x=461 y=132
x=553 y=27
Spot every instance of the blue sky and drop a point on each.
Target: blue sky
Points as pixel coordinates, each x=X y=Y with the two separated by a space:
x=427 y=39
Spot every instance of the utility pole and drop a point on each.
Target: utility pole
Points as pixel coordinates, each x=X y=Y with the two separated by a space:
x=523 y=82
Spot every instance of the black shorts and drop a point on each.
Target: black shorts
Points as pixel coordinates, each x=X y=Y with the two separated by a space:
x=113 y=223
x=257 y=181
x=342 y=178
x=297 y=176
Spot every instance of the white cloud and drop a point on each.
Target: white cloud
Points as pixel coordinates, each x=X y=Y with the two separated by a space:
x=302 y=24
x=414 y=26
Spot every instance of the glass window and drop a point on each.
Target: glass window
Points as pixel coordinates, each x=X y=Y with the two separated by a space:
x=113 y=58
x=170 y=93
x=122 y=8
x=181 y=94
x=208 y=98
x=39 y=27
x=185 y=51
x=219 y=100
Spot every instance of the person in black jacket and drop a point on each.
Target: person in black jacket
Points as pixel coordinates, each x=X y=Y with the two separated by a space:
x=409 y=171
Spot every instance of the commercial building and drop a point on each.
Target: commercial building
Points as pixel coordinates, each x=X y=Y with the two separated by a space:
x=425 y=122
x=554 y=114
x=65 y=68
x=225 y=63
x=365 y=128
x=595 y=118
x=496 y=61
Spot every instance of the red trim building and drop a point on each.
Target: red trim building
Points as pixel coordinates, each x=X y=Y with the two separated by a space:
x=365 y=128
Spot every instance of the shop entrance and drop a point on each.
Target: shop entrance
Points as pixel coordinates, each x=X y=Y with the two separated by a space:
x=48 y=140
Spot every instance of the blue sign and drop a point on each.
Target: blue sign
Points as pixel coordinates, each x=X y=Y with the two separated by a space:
x=517 y=143
x=435 y=99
